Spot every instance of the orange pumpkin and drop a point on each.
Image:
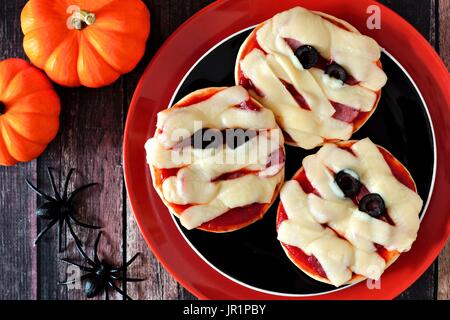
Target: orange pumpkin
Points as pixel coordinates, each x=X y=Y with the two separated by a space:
x=85 y=42
x=29 y=112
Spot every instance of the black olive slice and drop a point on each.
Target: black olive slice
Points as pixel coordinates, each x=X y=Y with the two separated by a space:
x=336 y=71
x=348 y=181
x=372 y=204
x=307 y=55
x=206 y=138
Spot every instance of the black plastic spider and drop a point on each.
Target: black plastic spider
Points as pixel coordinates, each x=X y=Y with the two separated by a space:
x=100 y=275
x=59 y=209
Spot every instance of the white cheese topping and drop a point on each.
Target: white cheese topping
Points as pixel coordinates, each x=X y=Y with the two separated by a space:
x=358 y=54
x=307 y=213
x=196 y=182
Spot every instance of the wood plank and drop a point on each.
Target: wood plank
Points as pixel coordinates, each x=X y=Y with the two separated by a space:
x=92 y=143
x=48 y=262
x=443 y=292
x=18 y=276
x=89 y=141
x=17 y=206
x=443 y=289
x=444 y=30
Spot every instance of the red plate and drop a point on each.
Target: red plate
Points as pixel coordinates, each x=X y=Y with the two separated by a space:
x=196 y=36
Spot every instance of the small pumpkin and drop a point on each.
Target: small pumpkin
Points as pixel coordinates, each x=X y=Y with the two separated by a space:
x=29 y=112
x=85 y=42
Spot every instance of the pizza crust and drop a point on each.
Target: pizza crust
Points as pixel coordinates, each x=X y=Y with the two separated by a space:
x=274 y=179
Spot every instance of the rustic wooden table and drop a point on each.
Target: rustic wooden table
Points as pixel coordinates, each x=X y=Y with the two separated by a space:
x=90 y=140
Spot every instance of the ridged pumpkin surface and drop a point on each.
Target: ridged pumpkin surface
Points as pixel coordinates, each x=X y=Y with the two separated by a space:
x=29 y=112
x=94 y=55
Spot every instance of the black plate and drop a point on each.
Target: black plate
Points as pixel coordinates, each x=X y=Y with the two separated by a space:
x=253 y=255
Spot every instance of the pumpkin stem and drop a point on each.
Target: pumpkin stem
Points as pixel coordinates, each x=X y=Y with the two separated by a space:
x=81 y=18
x=2 y=108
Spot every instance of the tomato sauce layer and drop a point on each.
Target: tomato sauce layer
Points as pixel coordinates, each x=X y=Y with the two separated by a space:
x=236 y=217
x=312 y=265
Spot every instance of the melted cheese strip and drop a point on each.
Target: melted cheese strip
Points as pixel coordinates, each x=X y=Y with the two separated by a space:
x=307 y=213
x=218 y=112
x=195 y=182
x=309 y=128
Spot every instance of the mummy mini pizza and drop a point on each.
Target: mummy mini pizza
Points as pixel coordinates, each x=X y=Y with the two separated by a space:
x=217 y=159
x=318 y=74
x=348 y=213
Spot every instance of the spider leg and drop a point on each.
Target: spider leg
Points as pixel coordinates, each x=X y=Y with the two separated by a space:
x=73 y=281
x=43 y=231
x=40 y=193
x=96 y=259
x=78 y=244
x=83 y=268
x=112 y=285
x=81 y=224
x=106 y=294
x=122 y=268
x=60 y=233
x=66 y=183
x=52 y=180
x=126 y=279
x=76 y=191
